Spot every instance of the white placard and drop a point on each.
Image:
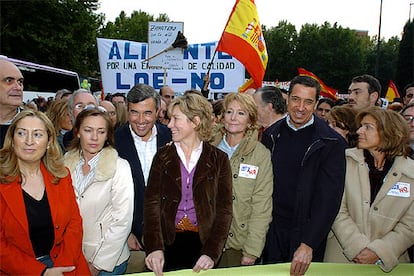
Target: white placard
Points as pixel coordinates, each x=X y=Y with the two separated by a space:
x=161 y=36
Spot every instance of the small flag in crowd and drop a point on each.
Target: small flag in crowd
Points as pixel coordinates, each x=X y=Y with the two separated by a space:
x=326 y=91
x=243 y=39
x=392 y=92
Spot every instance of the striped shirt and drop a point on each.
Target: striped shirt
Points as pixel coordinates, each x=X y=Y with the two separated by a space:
x=82 y=181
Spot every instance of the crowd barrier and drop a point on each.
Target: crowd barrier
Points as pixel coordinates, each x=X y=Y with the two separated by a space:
x=317 y=269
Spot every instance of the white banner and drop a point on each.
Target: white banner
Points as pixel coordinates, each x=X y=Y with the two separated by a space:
x=121 y=68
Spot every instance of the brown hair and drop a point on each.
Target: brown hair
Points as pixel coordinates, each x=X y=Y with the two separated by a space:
x=89 y=112
x=52 y=159
x=392 y=129
x=343 y=117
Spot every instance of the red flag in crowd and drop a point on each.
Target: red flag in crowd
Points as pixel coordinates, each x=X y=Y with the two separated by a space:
x=326 y=91
x=243 y=39
x=392 y=92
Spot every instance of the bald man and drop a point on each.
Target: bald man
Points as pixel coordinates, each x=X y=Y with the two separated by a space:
x=110 y=108
x=11 y=95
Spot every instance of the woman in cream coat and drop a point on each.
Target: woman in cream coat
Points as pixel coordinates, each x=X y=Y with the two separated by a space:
x=104 y=191
x=252 y=181
x=375 y=223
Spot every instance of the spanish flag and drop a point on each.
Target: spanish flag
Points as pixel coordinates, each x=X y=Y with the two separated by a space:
x=248 y=84
x=243 y=39
x=326 y=91
x=392 y=92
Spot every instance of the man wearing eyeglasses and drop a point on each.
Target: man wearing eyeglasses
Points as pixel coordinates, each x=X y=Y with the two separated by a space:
x=11 y=95
x=138 y=141
x=78 y=101
x=409 y=93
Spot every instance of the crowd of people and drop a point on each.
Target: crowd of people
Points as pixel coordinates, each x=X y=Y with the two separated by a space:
x=151 y=181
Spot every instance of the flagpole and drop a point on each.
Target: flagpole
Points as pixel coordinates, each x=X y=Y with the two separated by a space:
x=206 y=79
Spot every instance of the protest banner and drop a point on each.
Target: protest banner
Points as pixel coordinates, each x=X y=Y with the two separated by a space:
x=121 y=68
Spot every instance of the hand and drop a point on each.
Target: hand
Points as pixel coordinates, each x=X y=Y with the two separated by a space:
x=155 y=261
x=133 y=243
x=366 y=256
x=94 y=271
x=247 y=260
x=58 y=271
x=203 y=263
x=301 y=260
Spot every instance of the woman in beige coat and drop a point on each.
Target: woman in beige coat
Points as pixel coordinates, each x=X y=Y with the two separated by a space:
x=104 y=191
x=375 y=224
x=252 y=181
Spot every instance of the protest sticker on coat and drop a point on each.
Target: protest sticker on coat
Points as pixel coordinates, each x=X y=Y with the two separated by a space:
x=122 y=67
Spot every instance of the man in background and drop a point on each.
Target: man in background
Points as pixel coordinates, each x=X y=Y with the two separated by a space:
x=11 y=95
x=364 y=91
x=77 y=102
x=167 y=93
x=408 y=93
x=118 y=98
x=138 y=141
x=110 y=108
x=271 y=106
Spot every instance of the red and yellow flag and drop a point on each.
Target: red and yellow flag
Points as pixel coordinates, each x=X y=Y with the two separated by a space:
x=243 y=39
x=326 y=91
x=392 y=92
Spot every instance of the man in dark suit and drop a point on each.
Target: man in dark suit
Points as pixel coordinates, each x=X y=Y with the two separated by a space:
x=138 y=141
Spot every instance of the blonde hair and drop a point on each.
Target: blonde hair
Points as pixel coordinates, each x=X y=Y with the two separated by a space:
x=194 y=105
x=246 y=102
x=52 y=159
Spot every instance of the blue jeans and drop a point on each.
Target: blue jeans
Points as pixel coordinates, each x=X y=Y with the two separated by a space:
x=118 y=270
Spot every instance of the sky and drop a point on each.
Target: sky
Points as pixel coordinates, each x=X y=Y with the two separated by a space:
x=204 y=20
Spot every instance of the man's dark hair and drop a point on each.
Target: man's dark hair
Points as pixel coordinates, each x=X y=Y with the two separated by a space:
x=141 y=92
x=373 y=84
x=306 y=81
x=272 y=94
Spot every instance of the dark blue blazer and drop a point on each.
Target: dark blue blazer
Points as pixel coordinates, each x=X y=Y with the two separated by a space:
x=124 y=143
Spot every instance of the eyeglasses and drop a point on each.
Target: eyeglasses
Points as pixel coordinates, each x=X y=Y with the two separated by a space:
x=112 y=113
x=409 y=118
x=81 y=106
x=84 y=107
x=409 y=96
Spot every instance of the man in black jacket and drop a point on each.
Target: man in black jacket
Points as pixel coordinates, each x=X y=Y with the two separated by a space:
x=138 y=141
x=309 y=172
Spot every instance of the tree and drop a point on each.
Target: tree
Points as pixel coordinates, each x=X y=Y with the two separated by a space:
x=405 y=62
x=281 y=43
x=58 y=33
x=387 y=60
x=333 y=53
x=134 y=28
